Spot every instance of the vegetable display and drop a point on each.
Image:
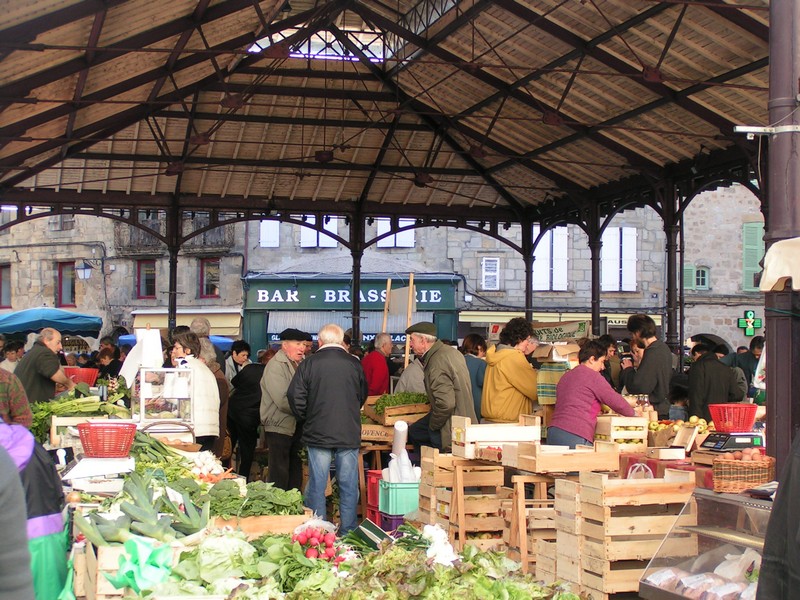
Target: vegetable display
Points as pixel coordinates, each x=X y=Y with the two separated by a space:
x=75 y=403
x=261 y=498
x=399 y=399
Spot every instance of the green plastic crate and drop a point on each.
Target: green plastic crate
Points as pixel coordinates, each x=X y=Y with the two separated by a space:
x=398 y=498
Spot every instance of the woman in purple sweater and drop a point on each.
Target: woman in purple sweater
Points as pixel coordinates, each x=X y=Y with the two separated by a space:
x=579 y=395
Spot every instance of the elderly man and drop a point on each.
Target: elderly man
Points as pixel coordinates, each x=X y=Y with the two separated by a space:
x=327 y=393
x=40 y=369
x=280 y=426
x=375 y=367
x=447 y=385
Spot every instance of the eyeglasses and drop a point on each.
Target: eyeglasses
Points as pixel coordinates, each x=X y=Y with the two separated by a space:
x=531 y=340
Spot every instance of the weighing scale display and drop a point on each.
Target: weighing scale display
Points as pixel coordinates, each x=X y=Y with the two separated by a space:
x=722 y=442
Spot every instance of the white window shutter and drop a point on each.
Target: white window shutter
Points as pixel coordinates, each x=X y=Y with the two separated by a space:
x=405 y=239
x=490 y=274
x=541 y=261
x=609 y=260
x=326 y=241
x=384 y=225
x=628 y=260
x=308 y=236
x=269 y=234
x=688 y=277
x=560 y=258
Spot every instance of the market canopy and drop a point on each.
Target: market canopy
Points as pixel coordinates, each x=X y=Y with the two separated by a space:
x=35 y=319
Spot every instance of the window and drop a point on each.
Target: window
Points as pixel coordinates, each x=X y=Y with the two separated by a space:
x=7 y=214
x=701 y=278
x=62 y=222
x=404 y=239
x=490 y=274
x=65 y=292
x=618 y=260
x=209 y=278
x=5 y=286
x=269 y=234
x=311 y=238
x=146 y=279
x=550 y=260
x=752 y=253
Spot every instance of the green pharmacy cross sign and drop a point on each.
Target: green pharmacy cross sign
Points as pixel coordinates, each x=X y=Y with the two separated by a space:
x=749 y=323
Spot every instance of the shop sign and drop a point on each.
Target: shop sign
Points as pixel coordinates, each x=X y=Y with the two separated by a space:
x=749 y=323
x=336 y=295
x=562 y=331
x=398 y=339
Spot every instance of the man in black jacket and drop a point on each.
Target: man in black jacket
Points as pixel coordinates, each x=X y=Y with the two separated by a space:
x=651 y=373
x=326 y=393
x=710 y=382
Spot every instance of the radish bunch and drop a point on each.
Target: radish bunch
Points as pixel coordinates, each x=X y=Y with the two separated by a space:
x=318 y=543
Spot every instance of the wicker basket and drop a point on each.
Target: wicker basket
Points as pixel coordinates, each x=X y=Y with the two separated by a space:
x=734 y=476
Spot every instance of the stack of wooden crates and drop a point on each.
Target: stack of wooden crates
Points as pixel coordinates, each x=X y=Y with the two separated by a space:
x=608 y=529
x=464 y=497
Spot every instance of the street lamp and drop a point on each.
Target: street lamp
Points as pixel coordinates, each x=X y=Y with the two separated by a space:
x=83 y=270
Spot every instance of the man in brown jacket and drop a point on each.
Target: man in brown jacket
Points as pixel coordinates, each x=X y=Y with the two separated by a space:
x=447 y=385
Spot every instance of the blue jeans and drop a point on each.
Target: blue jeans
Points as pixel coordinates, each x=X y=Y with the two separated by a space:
x=559 y=437
x=319 y=465
x=678 y=412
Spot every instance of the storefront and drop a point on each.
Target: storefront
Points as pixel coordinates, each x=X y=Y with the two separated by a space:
x=274 y=302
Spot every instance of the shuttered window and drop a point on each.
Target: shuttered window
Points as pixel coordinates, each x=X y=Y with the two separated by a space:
x=688 y=277
x=490 y=274
x=752 y=253
x=551 y=262
x=618 y=260
x=404 y=239
x=269 y=234
x=311 y=238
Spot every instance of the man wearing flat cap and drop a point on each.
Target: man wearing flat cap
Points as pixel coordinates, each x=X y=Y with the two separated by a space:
x=447 y=385
x=281 y=429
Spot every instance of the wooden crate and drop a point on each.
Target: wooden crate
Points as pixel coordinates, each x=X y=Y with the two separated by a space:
x=630 y=433
x=255 y=527
x=438 y=470
x=392 y=414
x=100 y=560
x=467 y=527
x=546 y=557
x=540 y=458
x=487 y=503
x=372 y=432
x=611 y=577
x=468 y=438
x=567 y=506
x=603 y=490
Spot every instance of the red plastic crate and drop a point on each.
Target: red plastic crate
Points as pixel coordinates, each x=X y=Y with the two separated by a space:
x=374 y=515
x=390 y=523
x=373 y=487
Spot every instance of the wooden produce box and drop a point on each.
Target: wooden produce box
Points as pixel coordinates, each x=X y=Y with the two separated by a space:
x=96 y=562
x=680 y=445
x=567 y=506
x=372 y=432
x=255 y=527
x=629 y=432
x=392 y=414
x=546 y=561
x=624 y=523
x=426 y=513
x=541 y=458
x=468 y=437
x=438 y=470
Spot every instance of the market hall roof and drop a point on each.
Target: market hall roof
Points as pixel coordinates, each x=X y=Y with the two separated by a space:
x=482 y=109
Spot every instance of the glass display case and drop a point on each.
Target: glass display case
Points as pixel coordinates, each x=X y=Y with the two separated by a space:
x=730 y=539
x=164 y=396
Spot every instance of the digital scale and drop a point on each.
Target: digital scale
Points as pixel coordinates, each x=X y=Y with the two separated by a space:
x=728 y=442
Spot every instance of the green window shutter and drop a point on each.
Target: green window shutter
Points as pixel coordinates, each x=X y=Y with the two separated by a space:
x=688 y=277
x=752 y=253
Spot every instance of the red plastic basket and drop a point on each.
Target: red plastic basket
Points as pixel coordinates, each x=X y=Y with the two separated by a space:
x=87 y=375
x=373 y=487
x=106 y=440
x=733 y=418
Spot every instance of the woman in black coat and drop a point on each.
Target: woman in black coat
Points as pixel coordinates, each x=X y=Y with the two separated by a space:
x=243 y=414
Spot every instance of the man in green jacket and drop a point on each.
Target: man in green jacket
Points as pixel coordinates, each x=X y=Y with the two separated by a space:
x=280 y=427
x=447 y=385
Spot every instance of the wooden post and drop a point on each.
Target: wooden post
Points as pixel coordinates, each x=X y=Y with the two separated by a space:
x=386 y=304
x=408 y=316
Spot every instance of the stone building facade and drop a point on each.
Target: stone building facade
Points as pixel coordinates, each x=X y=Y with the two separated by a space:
x=128 y=270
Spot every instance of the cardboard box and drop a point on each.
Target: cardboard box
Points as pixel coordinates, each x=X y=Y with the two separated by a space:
x=681 y=444
x=558 y=352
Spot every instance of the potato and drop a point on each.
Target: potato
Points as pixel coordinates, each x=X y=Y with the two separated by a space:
x=738 y=455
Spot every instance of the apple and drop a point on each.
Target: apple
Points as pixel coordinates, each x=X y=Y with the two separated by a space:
x=694 y=419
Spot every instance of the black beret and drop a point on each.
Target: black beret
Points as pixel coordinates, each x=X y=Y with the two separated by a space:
x=294 y=335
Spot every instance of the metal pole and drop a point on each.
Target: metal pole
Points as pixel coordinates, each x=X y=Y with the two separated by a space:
x=356 y=252
x=783 y=222
x=527 y=259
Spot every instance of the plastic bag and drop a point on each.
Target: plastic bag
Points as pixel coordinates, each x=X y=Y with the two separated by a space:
x=639 y=471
